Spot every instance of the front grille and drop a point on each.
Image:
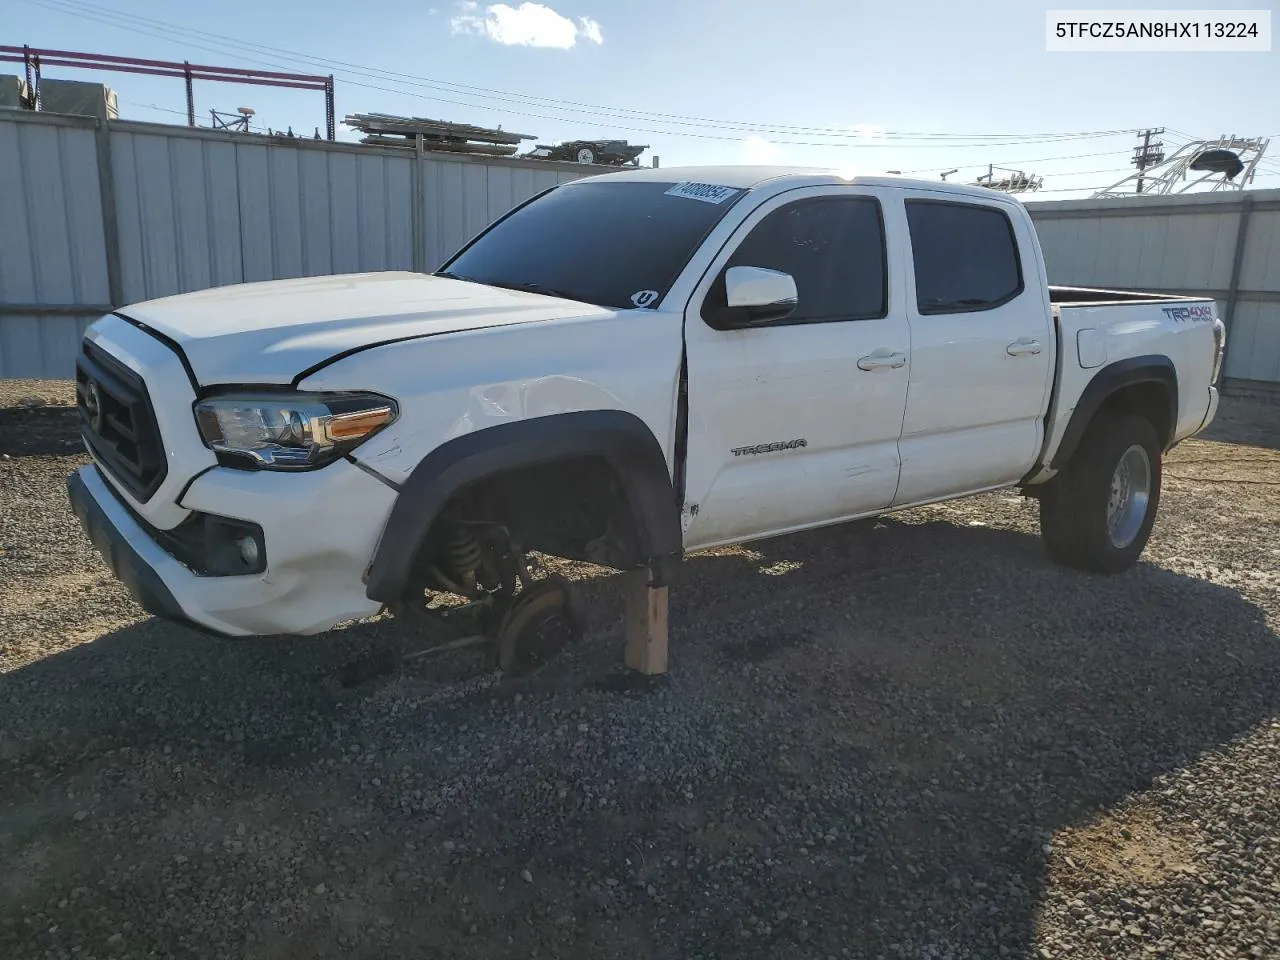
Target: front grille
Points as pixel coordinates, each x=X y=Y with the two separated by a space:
x=118 y=422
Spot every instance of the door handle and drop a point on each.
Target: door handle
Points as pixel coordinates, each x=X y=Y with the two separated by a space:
x=882 y=361
x=1023 y=347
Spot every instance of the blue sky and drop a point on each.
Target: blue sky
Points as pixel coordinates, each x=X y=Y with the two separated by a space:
x=700 y=81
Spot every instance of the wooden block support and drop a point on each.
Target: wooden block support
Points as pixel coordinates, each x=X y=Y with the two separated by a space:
x=646 y=624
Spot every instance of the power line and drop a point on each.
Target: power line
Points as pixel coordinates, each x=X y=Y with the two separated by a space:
x=1087 y=189
x=154 y=106
x=148 y=26
x=1149 y=154
x=1187 y=138
x=1194 y=137
x=1061 y=174
x=1004 y=163
x=1086 y=173
x=180 y=113
x=1068 y=190
x=1067 y=173
x=79 y=6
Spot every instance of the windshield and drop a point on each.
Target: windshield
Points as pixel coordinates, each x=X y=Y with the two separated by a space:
x=619 y=244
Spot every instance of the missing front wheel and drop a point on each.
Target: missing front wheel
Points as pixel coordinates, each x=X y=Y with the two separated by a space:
x=544 y=619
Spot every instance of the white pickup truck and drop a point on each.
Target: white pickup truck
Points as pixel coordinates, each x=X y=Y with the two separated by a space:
x=624 y=369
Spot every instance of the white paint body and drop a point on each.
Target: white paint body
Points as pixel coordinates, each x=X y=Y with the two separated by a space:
x=943 y=406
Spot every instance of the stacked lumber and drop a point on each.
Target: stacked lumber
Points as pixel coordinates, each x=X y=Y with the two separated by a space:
x=385 y=130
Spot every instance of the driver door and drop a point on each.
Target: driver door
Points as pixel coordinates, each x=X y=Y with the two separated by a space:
x=795 y=422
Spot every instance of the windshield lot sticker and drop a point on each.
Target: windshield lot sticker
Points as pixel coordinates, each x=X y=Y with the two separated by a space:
x=644 y=297
x=706 y=192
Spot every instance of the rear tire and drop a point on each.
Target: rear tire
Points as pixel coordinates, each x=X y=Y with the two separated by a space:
x=1097 y=513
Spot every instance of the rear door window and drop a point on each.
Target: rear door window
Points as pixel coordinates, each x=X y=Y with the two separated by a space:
x=966 y=256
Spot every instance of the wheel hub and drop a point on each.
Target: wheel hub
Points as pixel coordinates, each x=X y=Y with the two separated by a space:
x=1130 y=496
x=544 y=619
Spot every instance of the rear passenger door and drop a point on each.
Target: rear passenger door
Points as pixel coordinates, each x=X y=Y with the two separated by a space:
x=982 y=347
x=796 y=422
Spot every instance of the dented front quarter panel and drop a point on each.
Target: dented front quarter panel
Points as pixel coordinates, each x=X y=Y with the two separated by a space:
x=451 y=385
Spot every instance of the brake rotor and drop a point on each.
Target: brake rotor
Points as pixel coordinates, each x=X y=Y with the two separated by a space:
x=543 y=620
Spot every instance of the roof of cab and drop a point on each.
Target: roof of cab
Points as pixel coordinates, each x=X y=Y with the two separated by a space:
x=744 y=177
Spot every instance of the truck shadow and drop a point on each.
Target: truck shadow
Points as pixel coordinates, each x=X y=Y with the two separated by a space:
x=39 y=430
x=870 y=735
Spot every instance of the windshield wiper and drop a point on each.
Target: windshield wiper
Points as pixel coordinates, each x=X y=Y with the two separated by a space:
x=453 y=276
x=530 y=287
x=524 y=287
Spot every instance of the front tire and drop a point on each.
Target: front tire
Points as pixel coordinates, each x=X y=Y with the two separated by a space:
x=1097 y=513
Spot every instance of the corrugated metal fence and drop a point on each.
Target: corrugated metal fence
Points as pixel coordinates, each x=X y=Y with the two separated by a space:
x=96 y=214
x=1221 y=245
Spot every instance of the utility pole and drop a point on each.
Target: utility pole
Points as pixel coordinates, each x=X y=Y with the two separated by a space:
x=1149 y=154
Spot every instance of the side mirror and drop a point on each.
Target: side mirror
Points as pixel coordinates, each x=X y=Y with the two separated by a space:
x=754 y=295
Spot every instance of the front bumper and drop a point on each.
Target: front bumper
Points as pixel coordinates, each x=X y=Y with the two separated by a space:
x=120 y=552
x=320 y=530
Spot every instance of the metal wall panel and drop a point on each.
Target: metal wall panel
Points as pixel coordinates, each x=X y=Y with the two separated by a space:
x=1185 y=244
x=40 y=347
x=192 y=209
x=197 y=211
x=1260 y=269
x=1253 y=352
x=1161 y=252
x=52 y=250
x=51 y=239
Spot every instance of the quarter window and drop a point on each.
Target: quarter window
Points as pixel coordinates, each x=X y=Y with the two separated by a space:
x=834 y=248
x=966 y=256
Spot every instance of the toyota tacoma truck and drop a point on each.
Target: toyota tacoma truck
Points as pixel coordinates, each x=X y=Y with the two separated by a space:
x=621 y=370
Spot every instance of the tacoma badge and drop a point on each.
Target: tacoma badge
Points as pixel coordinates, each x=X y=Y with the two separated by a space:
x=769 y=447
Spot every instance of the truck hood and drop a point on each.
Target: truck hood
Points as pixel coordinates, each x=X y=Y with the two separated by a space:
x=271 y=332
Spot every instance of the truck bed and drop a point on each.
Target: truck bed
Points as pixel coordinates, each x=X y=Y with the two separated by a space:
x=1092 y=296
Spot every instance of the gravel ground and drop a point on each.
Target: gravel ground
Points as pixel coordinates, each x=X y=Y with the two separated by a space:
x=907 y=738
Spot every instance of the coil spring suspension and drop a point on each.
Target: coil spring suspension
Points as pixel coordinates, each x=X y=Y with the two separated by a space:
x=462 y=553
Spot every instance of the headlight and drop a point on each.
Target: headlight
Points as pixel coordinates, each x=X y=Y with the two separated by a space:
x=291 y=431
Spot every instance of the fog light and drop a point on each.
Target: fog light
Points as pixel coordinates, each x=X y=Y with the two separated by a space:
x=248 y=551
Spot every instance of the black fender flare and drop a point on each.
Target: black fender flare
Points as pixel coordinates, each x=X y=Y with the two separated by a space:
x=1116 y=376
x=621 y=438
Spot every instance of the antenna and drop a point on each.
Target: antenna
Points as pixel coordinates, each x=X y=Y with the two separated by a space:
x=237 y=122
